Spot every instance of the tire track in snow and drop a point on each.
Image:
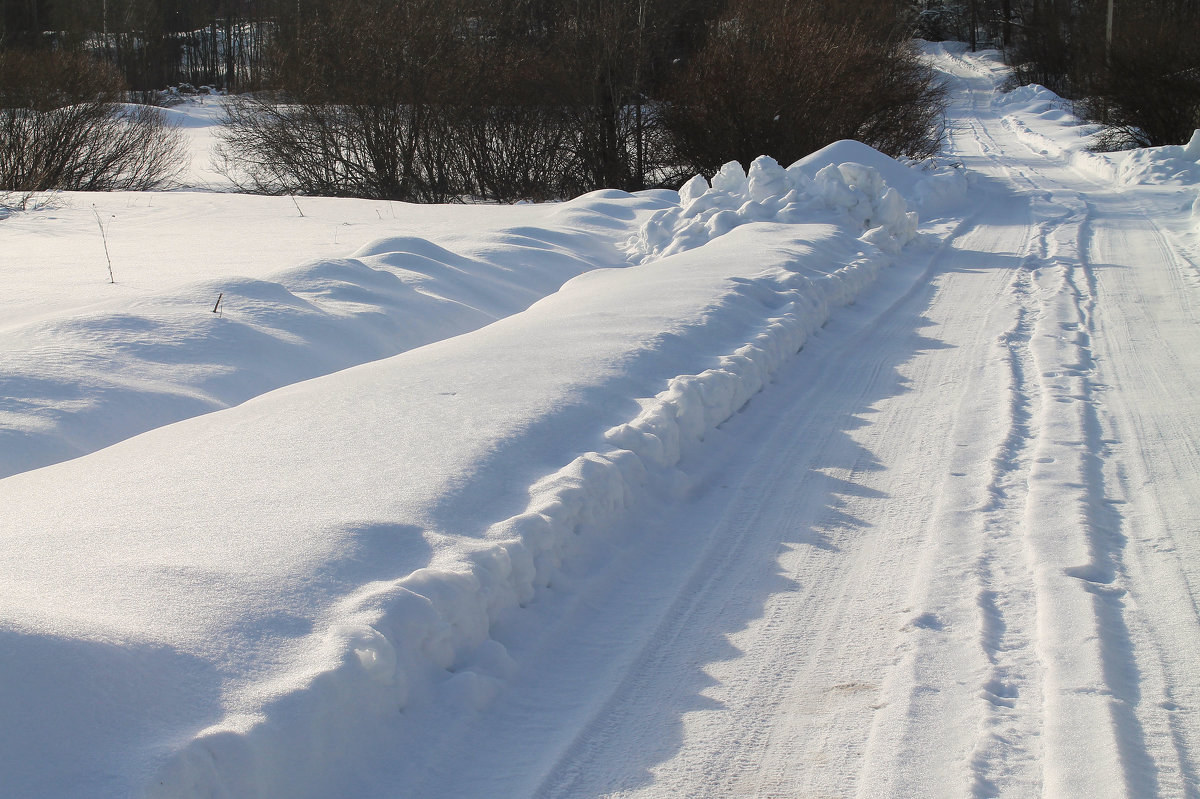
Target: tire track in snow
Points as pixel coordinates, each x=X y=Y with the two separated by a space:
x=795 y=705
x=1004 y=761
x=1117 y=661
x=1151 y=743
x=930 y=703
x=1164 y=645
x=973 y=614
x=1075 y=543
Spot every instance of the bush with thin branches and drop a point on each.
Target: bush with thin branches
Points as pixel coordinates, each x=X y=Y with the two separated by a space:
x=63 y=127
x=359 y=86
x=784 y=79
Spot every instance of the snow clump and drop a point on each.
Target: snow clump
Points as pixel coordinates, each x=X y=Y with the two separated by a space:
x=1033 y=98
x=1174 y=164
x=769 y=193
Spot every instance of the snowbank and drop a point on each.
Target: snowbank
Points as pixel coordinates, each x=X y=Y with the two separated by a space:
x=1045 y=123
x=769 y=193
x=428 y=633
x=1170 y=165
x=259 y=601
x=73 y=384
x=929 y=188
x=1033 y=98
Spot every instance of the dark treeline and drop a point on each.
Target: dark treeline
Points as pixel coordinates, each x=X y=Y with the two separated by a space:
x=434 y=100
x=1136 y=71
x=431 y=100
x=154 y=43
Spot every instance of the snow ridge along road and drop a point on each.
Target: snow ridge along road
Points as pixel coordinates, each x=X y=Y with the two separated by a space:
x=627 y=542
x=327 y=556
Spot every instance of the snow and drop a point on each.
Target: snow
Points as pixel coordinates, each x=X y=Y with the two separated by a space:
x=90 y=364
x=768 y=193
x=195 y=117
x=316 y=553
x=847 y=477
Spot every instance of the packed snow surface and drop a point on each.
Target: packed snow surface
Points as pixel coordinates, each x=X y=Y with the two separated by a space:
x=845 y=477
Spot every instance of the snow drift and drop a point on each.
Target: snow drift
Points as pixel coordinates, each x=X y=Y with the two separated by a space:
x=846 y=176
x=72 y=384
x=259 y=601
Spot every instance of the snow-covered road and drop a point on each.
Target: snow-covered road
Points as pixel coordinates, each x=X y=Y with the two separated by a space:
x=763 y=510
x=953 y=550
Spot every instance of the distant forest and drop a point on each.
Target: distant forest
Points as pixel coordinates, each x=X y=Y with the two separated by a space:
x=1133 y=65
x=156 y=43
x=433 y=100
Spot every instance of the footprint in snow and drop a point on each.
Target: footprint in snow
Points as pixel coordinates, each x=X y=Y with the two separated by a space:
x=926 y=621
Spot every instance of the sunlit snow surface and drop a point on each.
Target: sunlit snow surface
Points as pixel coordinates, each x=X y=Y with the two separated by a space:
x=398 y=428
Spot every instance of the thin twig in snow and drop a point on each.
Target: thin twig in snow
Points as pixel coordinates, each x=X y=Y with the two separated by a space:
x=104 y=238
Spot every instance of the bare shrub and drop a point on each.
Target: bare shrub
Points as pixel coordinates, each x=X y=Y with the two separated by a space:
x=62 y=126
x=429 y=100
x=513 y=151
x=1148 y=91
x=785 y=79
x=273 y=147
x=359 y=86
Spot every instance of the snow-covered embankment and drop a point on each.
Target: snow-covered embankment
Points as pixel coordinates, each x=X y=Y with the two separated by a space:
x=262 y=601
x=1045 y=123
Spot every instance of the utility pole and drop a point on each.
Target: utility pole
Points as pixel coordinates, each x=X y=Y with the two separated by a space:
x=1108 y=29
x=973 y=6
